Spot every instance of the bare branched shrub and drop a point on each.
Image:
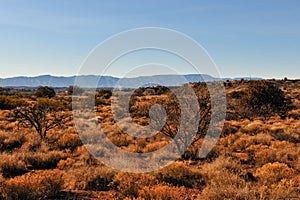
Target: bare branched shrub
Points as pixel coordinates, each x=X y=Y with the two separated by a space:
x=43 y=115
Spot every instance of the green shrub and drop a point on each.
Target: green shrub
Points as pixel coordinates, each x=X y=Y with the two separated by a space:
x=74 y=90
x=105 y=93
x=264 y=99
x=9 y=103
x=45 y=92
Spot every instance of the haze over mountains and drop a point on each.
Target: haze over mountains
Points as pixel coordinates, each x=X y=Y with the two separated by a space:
x=108 y=81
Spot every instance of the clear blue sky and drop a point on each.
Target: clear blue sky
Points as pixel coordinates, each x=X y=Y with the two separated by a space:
x=257 y=37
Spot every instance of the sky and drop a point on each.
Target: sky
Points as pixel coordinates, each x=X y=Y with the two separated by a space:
x=258 y=38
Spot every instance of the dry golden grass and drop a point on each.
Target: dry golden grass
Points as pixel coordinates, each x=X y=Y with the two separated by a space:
x=11 y=165
x=34 y=185
x=130 y=184
x=227 y=185
x=96 y=178
x=256 y=159
x=180 y=174
x=165 y=192
x=274 y=172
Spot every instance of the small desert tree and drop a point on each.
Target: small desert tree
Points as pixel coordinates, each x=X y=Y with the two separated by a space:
x=264 y=99
x=174 y=118
x=42 y=115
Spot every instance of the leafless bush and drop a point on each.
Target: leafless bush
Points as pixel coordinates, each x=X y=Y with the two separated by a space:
x=43 y=115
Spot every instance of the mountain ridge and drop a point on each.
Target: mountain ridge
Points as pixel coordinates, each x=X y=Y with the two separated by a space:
x=109 y=81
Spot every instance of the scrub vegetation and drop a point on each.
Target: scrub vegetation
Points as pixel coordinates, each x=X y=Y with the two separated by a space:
x=256 y=157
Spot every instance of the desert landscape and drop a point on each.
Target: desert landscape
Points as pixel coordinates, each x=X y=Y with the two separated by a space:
x=256 y=157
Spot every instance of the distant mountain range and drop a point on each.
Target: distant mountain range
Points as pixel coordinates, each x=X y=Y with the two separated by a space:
x=89 y=81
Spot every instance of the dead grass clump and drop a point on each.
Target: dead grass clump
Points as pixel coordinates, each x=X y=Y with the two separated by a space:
x=253 y=127
x=34 y=185
x=44 y=160
x=178 y=174
x=159 y=192
x=225 y=179
x=278 y=151
x=130 y=184
x=245 y=141
x=69 y=141
x=10 y=141
x=65 y=164
x=274 y=172
x=211 y=170
x=2 y=183
x=33 y=144
x=101 y=179
x=229 y=128
x=11 y=166
x=227 y=185
x=90 y=178
x=155 y=146
x=121 y=140
x=83 y=157
x=285 y=189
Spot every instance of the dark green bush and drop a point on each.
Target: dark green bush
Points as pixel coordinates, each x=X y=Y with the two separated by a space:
x=45 y=92
x=9 y=103
x=74 y=90
x=105 y=93
x=264 y=99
